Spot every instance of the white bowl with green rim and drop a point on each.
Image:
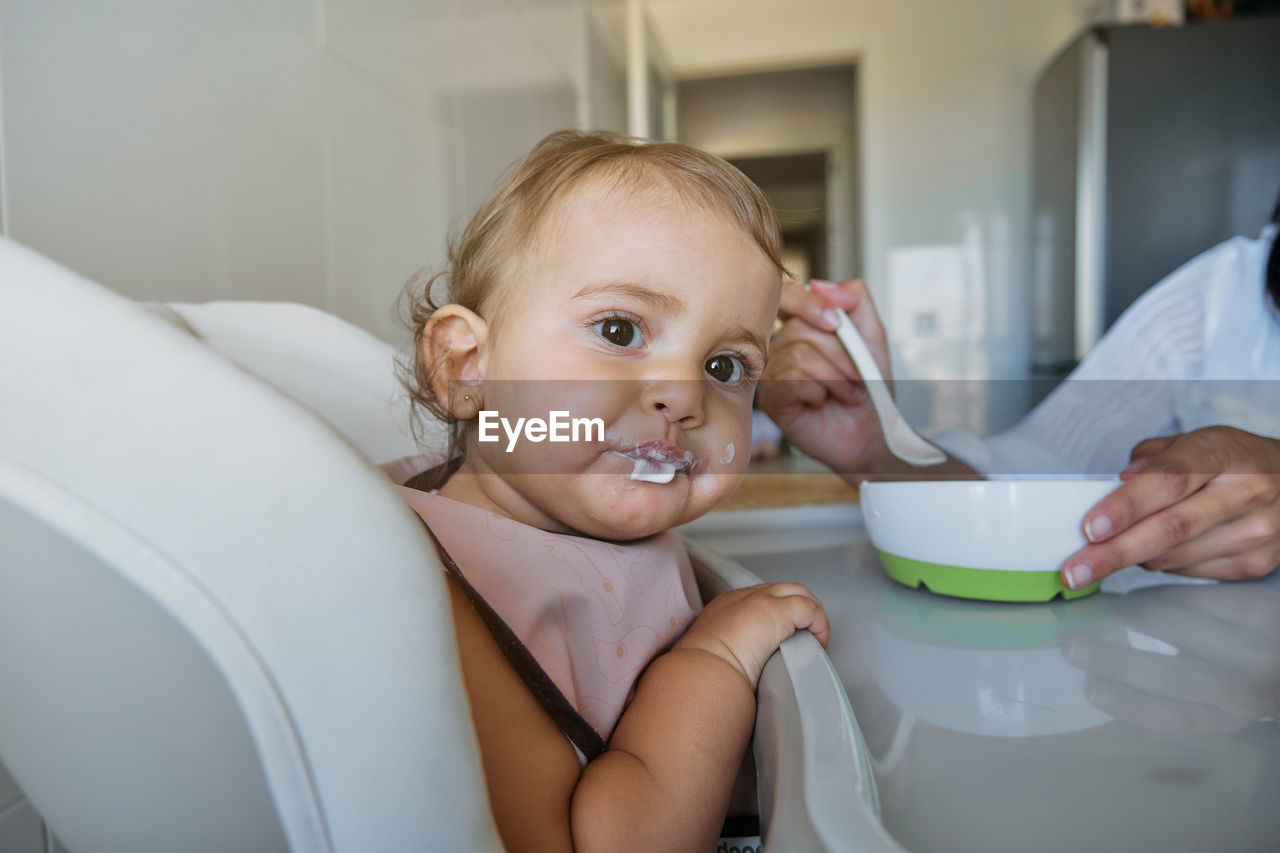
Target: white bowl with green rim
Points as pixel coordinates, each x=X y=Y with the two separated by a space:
x=996 y=540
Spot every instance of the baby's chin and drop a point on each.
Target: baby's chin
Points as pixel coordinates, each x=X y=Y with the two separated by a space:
x=630 y=509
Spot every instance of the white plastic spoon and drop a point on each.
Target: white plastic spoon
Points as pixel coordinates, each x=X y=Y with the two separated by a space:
x=904 y=442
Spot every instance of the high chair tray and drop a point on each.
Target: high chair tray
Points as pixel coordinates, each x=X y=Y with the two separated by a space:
x=816 y=785
x=1133 y=718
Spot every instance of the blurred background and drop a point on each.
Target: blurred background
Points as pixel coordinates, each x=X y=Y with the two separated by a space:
x=972 y=159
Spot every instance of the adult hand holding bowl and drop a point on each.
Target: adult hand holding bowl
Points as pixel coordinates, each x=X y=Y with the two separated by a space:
x=1204 y=504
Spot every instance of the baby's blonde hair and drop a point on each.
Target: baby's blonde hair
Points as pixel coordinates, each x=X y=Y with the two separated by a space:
x=504 y=230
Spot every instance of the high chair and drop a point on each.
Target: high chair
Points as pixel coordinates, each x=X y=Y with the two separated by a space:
x=220 y=629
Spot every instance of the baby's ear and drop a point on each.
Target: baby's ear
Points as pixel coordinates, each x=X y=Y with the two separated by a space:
x=452 y=344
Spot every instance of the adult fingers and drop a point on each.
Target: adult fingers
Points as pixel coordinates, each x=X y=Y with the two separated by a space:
x=1248 y=565
x=1145 y=451
x=797 y=302
x=806 y=374
x=1245 y=543
x=795 y=333
x=780 y=397
x=1228 y=539
x=1167 y=479
x=1161 y=512
x=813 y=302
x=855 y=298
x=866 y=319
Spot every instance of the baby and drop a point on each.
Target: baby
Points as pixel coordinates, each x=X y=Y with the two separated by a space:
x=620 y=295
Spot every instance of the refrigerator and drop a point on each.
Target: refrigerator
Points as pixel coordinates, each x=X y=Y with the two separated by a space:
x=1150 y=145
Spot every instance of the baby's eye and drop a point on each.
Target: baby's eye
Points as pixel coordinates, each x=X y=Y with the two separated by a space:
x=619 y=331
x=726 y=369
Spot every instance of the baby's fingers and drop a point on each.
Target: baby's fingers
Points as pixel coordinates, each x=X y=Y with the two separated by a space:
x=802 y=610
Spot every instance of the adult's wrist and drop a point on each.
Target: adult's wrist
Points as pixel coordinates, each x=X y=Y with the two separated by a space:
x=877 y=465
x=889 y=467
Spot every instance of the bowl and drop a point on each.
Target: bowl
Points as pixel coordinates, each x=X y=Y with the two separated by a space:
x=996 y=540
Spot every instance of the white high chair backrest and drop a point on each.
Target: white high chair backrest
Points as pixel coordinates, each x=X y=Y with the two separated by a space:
x=220 y=628
x=338 y=370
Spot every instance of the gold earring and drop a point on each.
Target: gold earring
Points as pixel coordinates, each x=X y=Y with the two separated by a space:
x=466 y=396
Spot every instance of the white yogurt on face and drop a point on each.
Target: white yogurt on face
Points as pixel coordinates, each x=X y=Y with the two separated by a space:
x=728 y=454
x=648 y=471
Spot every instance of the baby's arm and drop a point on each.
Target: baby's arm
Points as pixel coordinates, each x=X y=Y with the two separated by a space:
x=665 y=781
x=530 y=769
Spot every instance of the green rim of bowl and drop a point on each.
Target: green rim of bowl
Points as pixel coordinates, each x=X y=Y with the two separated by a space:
x=982 y=584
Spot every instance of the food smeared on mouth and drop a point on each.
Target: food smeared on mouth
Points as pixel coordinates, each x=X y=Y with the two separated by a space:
x=657 y=461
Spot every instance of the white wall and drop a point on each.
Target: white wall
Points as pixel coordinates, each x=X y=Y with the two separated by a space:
x=321 y=150
x=944 y=116
x=309 y=150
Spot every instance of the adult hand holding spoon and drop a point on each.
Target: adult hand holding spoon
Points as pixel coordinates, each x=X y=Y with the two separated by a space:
x=904 y=442
x=820 y=400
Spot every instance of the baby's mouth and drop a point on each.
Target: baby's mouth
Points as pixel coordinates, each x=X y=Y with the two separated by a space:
x=657 y=461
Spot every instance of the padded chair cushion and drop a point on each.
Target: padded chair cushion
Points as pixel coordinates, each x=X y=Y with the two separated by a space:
x=336 y=369
x=259 y=532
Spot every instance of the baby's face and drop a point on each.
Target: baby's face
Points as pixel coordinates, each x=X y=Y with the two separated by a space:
x=652 y=315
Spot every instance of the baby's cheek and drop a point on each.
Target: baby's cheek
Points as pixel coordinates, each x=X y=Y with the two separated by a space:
x=726 y=470
x=732 y=456
x=736 y=455
x=717 y=487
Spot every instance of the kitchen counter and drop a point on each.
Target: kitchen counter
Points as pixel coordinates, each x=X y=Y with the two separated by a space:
x=1143 y=720
x=789 y=480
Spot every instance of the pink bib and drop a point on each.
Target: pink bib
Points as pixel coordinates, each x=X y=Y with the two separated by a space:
x=592 y=613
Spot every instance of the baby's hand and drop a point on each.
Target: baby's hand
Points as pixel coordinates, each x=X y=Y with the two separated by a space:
x=745 y=626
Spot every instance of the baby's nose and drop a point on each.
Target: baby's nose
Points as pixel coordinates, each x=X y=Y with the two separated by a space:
x=677 y=400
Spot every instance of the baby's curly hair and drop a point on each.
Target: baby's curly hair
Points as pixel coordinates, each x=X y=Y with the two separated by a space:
x=506 y=227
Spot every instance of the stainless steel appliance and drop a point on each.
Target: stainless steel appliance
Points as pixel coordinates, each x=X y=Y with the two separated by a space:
x=1150 y=146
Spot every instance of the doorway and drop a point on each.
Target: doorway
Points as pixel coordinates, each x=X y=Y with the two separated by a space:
x=794 y=132
x=796 y=185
